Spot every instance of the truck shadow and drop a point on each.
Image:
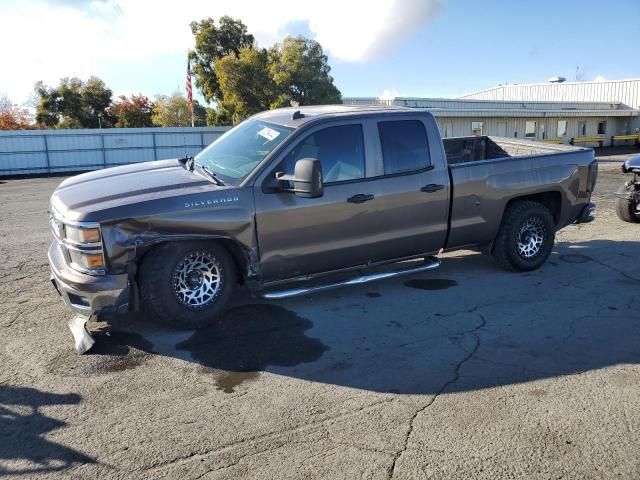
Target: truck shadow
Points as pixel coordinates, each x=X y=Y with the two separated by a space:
x=23 y=448
x=429 y=333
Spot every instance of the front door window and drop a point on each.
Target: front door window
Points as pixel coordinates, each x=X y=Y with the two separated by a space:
x=340 y=151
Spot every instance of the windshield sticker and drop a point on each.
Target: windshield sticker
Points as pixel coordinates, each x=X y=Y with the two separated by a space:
x=269 y=133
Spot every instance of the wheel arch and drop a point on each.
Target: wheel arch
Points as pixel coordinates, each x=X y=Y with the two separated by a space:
x=240 y=254
x=551 y=199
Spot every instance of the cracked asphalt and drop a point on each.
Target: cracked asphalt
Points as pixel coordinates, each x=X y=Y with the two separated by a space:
x=464 y=372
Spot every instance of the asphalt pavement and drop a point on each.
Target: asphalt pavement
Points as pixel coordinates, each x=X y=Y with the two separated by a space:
x=464 y=372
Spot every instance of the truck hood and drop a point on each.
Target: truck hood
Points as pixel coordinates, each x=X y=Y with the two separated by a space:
x=89 y=196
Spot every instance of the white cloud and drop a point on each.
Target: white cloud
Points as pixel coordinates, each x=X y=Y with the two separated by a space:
x=77 y=38
x=599 y=78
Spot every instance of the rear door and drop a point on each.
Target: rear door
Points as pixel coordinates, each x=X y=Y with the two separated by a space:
x=412 y=189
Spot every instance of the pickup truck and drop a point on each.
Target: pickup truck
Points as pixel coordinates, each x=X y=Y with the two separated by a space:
x=298 y=199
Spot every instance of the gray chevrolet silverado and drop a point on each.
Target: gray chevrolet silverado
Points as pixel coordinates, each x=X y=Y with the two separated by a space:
x=298 y=199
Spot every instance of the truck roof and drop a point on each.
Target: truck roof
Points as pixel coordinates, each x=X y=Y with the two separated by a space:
x=285 y=116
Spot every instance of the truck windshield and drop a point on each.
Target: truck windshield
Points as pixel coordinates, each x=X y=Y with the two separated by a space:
x=236 y=153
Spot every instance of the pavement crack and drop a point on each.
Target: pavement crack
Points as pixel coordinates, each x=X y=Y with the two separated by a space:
x=267 y=436
x=22 y=314
x=624 y=274
x=441 y=390
x=572 y=329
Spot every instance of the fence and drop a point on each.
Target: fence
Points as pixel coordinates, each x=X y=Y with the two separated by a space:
x=55 y=151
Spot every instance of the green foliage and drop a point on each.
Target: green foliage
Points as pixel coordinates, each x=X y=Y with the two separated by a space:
x=130 y=112
x=243 y=79
x=73 y=104
x=245 y=83
x=212 y=44
x=300 y=72
x=173 y=111
x=220 y=116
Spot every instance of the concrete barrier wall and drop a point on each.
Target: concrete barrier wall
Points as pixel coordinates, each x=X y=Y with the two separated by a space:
x=55 y=151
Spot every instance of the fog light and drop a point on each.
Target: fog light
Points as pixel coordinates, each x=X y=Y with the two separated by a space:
x=87 y=260
x=94 y=260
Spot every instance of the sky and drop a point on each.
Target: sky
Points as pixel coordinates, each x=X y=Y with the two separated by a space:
x=426 y=48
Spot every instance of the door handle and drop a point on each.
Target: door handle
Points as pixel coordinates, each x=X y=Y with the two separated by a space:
x=360 y=198
x=432 y=187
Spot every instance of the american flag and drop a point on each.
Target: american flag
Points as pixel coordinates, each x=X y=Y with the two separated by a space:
x=188 y=86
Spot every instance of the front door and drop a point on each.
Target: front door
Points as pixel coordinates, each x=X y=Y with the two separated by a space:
x=300 y=236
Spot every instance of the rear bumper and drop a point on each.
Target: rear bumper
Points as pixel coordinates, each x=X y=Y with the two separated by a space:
x=586 y=214
x=88 y=295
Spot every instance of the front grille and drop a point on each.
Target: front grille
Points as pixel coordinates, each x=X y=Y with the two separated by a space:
x=57 y=227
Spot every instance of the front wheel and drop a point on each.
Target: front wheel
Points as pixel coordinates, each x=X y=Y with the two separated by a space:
x=187 y=283
x=525 y=238
x=626 y=208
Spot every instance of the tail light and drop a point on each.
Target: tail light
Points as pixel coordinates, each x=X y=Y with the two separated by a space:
x=592 y=176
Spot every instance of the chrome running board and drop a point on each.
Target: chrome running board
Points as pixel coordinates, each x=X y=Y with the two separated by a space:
x=430 y=263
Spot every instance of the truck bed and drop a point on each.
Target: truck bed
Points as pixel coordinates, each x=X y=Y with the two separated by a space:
x=477 y=148
x=486 y=172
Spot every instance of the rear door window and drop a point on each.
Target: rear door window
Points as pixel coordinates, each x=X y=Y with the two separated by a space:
x=404 y=146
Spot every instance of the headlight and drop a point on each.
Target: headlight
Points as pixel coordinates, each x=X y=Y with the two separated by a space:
x=90 y=260
x=82 y=235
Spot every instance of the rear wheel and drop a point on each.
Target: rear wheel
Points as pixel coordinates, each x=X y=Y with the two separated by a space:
x=526 y=237
x=626 y=209
x=187 y=283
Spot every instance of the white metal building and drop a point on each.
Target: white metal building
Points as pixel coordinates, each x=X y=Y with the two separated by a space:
x=626 y=92
x=547 y=111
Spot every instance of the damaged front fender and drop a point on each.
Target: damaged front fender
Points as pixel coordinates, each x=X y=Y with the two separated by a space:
x=128 y=241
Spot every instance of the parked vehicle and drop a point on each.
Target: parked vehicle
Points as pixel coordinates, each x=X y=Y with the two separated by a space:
x=295 y=200
x=628 y=197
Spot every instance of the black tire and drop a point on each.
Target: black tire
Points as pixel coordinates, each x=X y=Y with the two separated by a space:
x=524 y=225
x=164 y=278
x=624 y=208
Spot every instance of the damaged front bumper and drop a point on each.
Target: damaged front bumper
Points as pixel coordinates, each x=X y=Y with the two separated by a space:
x=88 y=295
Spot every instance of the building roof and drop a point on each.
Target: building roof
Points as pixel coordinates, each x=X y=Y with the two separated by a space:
x=625 y=92
x=446 y=107
x=471 y=95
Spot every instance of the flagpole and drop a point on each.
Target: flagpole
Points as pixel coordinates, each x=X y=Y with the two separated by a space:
x=189 y=89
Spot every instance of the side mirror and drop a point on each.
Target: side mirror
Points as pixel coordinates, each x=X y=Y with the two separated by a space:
x=307 y=178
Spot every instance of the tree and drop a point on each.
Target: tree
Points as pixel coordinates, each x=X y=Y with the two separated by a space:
x=257 y=79
x=212 y=44
x=222 y=115
x=242 y=79
x=300 y=71
x=129 y=112
x=14 y=117
x=74 y=104
x=173 y=111
x=245 y=84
